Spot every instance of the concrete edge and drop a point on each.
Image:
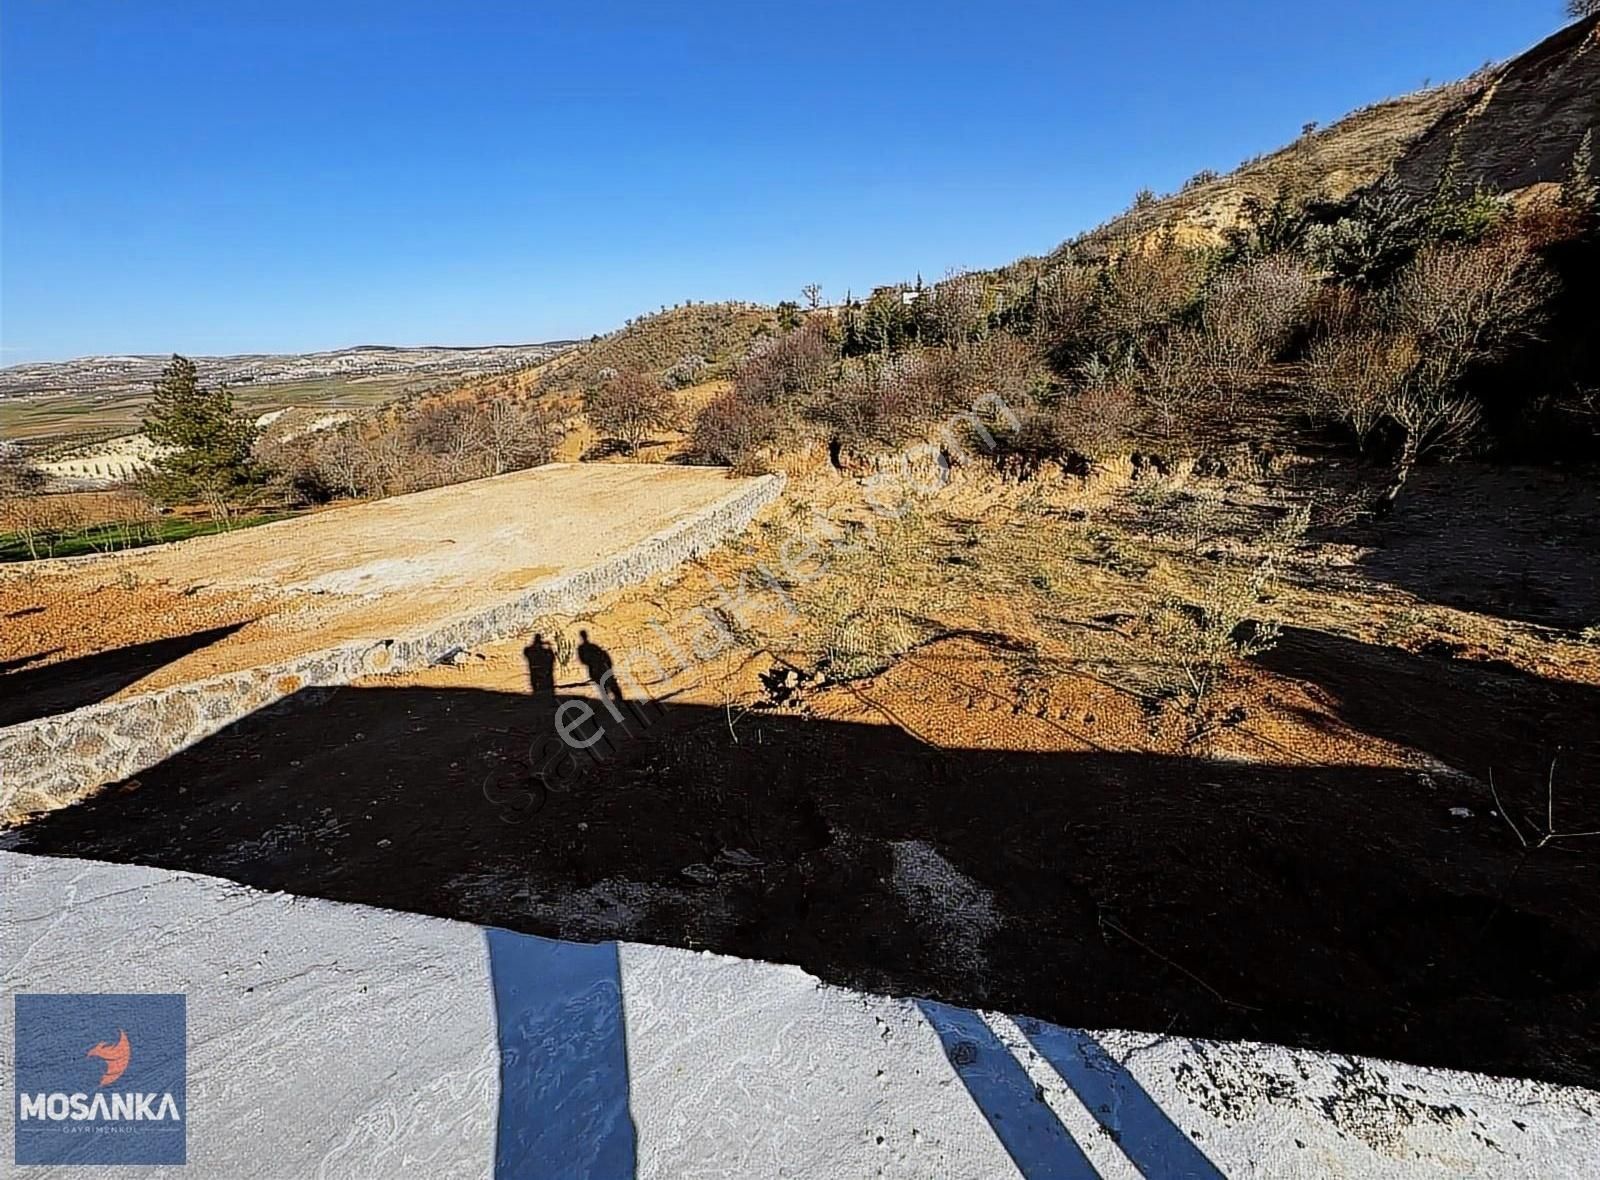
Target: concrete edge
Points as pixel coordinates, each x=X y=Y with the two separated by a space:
x=50 y=762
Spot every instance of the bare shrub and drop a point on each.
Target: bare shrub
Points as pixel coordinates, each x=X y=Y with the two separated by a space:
x=629 y=406
x=1465 y=303
x=1065 y=320
x=1355 y=376
x=885 y=399
x=1174 y=376
x=1146 y=288
x=783 y=368
x=731 y=429
x=341 y=459
x=454 y=438
x=1250 y=314
x=955 y=309
x=1097 y=420
x=519 y=434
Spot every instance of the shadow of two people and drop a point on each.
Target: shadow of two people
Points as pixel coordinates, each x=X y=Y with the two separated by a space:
x=596 y=661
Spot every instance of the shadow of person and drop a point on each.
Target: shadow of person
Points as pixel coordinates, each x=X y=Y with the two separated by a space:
x=597 y=662
x=541 y=659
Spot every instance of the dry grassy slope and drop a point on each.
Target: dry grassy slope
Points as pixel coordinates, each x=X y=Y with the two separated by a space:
x=1516 y=125
x=718 y=332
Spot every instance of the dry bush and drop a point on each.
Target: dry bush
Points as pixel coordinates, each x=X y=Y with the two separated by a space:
x=1001 y=365
x=1356 y=375
x=1065 y=318
x=1175 y=376
x=1147 y=288
x=421 y=447
x=1097 y=421
x=1251 y=312
x=955 y=310
x=889 y=400
x=732 y=430
x=1461 y=305
x=1200 y=641
x=339 y=456
x=629 y=406
x=519 y=434
x=1465 y=303
x=783 y=368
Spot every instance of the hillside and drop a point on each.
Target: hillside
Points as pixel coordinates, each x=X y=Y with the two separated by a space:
x=1511 y=125
x=685 y=345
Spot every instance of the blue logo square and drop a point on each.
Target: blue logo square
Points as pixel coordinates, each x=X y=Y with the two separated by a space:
x=100 y=1079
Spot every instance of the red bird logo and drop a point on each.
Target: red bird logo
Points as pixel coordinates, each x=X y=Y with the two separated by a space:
x=115 y=1057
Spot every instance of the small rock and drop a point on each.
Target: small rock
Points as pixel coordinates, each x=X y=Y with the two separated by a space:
x=700 y=874
x=1461 y=812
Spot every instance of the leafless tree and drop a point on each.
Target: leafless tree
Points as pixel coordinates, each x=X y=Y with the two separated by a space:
x=1249 y=315
x=1174 y=375
x=518 y=434
x=813 y=295
x=629 y=406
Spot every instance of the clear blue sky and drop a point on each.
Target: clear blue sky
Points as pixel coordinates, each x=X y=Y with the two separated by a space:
x=225 y=175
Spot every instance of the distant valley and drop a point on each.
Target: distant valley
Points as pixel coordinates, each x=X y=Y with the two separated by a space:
x=75 y=401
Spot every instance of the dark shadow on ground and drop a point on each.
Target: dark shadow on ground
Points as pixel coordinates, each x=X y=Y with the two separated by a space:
x=70 y=684
x=1473 y=715
x=1516 y=543
x=1335 y=907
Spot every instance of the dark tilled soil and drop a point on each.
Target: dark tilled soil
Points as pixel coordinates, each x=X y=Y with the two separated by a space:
x=1335 y=907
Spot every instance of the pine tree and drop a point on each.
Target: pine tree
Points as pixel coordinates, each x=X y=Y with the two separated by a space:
x=1581 y=189
x=208 y=443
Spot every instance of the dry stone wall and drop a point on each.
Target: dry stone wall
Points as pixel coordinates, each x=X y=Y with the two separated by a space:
x=53 y=761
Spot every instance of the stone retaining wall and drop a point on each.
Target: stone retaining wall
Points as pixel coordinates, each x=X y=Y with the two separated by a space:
x=53 y=761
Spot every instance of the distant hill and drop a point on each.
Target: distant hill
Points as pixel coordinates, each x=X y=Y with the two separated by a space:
x=111 y=375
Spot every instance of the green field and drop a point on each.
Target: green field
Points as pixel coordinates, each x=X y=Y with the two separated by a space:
x=77 y=418
x=113 y=538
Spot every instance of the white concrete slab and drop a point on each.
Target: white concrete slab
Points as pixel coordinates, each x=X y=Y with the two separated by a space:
x=333 y=1040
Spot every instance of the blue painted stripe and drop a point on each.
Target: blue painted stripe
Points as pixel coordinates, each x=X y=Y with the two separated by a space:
x=1038 y=1144
x=563 y=1060
x=1155 y=1144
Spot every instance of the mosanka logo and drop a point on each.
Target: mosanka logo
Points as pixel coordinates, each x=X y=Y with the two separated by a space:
x=115 y=1056
x=78 y=1108
x=59 y=1106
x=101 y=1078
